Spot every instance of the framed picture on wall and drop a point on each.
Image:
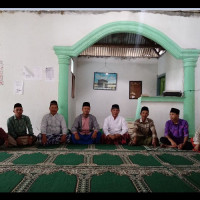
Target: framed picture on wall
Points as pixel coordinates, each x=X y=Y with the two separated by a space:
x=105 y=81
x=135 y=89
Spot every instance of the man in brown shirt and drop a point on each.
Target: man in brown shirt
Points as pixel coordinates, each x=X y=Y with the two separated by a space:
x=144 y=131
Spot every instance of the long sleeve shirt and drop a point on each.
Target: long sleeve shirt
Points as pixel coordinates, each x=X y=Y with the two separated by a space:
x=177 y=132
x=115 y=126
x=53 y=124
x=78 y=127
x=18 y=127
x=197 y=137
x=146 y=128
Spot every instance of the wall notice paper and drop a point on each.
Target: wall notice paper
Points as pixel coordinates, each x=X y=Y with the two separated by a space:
x=19 y=87
x=1 y=72
x=33 y=73
x=49 y=71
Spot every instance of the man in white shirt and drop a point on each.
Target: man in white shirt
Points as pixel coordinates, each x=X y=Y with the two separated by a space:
x=53 y=127
x=196 y=141
x=115 y=128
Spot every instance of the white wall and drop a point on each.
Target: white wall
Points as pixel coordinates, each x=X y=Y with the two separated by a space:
x=27 y=39
x=144 y=70
x=173 y=68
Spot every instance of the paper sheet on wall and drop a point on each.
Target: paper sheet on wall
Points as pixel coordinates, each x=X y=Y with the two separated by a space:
x=34 y=73
x=1 y=72
x=49 y=71
x=19 y=87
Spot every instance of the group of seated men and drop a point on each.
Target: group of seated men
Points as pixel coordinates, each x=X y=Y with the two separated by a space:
x=86 y=130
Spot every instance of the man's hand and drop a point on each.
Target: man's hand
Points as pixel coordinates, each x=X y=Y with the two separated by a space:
x=133 y=141
x=196 y=148
x=112 y=137
x=154 y=142
x=117 y=135
x=180 y=146
x=94 y=135
x=30 y=140
x=77 y=137
x=44 y=139
x=63 y=138
x=173 y=144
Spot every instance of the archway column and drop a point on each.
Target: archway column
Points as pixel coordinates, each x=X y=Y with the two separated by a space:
x=189 y=57
x=189 y=92
x=64 y=62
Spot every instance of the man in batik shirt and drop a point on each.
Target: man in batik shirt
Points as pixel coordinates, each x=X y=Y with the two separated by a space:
x=144 y=131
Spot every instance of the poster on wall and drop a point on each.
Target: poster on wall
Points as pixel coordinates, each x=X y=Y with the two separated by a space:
x=135 y=89
x=1 y=72
x=49 y=71
x=105 y=81
x=32 y=73
x=19 y=87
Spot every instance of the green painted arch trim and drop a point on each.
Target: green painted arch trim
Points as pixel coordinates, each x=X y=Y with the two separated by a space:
x=126 y=27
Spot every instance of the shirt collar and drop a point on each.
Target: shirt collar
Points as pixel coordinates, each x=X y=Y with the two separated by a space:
x=16 y=117
x=53 y=115
x=115 y=118
x=177 y=122
x=145 y=120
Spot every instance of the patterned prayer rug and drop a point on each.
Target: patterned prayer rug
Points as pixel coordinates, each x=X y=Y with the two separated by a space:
x=98 y=168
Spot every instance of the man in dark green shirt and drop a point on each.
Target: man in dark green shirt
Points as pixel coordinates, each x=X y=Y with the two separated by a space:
x=17 y=128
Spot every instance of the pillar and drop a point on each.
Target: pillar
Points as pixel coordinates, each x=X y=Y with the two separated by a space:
x=189 y=93
x=64 y=62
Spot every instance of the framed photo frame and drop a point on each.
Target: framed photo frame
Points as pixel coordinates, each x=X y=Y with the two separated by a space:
x=105 y=81
x=135 y=89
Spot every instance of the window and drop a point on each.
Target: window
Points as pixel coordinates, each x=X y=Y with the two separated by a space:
x=72 y=66
x=73 y=79
x=160 y=84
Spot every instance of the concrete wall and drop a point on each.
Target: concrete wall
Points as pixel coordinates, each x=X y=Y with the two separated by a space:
x=27 y=40
x=144 y=70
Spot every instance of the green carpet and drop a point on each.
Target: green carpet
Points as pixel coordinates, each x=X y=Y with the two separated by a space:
x=105 y=146
x=162 y=183
x=106 y=159
x=30 y=159
x=4 y=155
x=69 y=159
x=9 y=180
x=143 y=160
x=99 y=168
x=56 y=182
x=175 y=159
x=194 y=178
x=111 y=183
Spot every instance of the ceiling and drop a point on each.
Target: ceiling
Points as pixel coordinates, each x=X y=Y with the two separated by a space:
x=124 y=45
